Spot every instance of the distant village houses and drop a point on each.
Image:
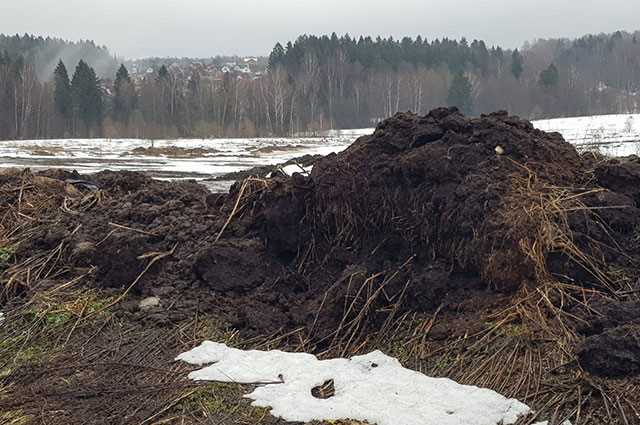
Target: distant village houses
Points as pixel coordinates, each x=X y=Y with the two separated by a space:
x=210 y=70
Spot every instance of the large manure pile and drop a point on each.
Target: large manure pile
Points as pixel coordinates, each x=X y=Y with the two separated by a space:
x=479 y=249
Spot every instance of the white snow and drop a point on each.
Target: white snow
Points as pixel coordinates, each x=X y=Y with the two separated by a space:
x=614 y=135
x=374 y=388
x=1 y=317
x=353 y=132
x=227 y=155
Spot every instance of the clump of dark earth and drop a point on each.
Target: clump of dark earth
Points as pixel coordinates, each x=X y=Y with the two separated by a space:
x=613 y=353
x=172 y=152
x=269 y=170
x=419 y=215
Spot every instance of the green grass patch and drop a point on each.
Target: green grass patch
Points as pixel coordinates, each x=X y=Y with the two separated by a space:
x=223 y=400
x=6 y=254
x=36 y=333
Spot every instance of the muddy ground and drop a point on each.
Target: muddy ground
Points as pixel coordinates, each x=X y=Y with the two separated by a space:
x=478 y=249
x=172 y=152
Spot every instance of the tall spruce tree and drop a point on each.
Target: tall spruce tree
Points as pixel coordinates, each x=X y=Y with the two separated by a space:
x=517 y=64
x=124 y=99
x=460 y=93
x=87 y=96
x=62 y=92
x=163 y=73
x=550 y=77
x=277 y=56
x=163 y=84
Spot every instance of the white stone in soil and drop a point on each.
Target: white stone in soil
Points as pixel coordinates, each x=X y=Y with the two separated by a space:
x=149 y=302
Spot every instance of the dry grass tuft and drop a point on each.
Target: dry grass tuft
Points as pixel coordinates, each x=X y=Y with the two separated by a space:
x=26 y=201
x=530 y=349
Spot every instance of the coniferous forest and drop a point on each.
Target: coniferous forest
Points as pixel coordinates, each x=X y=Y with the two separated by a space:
x=53 y=88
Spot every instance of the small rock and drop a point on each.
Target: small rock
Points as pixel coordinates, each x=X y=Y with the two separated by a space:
x=499 y=150
x=149 y=303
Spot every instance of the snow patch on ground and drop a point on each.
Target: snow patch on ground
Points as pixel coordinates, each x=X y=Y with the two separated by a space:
x=373 y=388
x=613 y=135
x=1 y=317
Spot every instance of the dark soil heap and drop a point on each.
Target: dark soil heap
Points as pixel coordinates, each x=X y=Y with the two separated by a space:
x=436 y=214
x=442 y=205
x=431 y=187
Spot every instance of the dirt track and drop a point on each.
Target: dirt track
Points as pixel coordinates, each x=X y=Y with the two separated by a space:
x=459 y=245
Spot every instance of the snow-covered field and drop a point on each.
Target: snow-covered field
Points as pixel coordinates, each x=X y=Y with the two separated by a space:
x=614 y=135
x=354 y=133
x=223 y=156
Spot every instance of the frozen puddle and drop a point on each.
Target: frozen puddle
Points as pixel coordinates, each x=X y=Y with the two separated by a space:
x=373 y=388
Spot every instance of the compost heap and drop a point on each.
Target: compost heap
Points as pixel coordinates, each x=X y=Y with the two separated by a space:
x=430 y=214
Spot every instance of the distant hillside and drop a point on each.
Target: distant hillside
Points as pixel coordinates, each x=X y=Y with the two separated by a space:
x=44 y=53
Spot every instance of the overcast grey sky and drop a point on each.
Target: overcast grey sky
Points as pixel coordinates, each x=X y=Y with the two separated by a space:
x=138 y=28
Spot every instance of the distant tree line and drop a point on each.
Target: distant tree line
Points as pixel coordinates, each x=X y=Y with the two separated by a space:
x=44 y=53
x=316 y=83
x=354 y=82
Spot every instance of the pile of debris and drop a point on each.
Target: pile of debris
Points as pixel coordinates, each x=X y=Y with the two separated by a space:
x=458 y=221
